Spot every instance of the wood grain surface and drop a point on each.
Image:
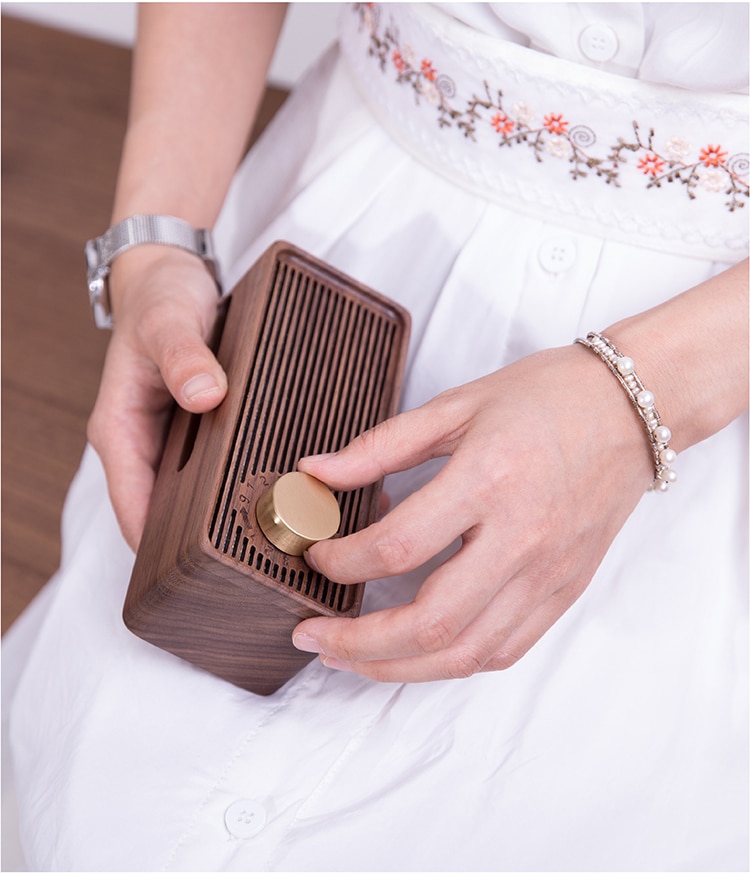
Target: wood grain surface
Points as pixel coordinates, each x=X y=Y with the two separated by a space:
x=312 y=358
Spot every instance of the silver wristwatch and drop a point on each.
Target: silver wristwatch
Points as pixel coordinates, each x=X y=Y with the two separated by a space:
x=135 y=231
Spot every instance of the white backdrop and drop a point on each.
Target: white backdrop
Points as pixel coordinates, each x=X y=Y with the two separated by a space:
x=308 y=29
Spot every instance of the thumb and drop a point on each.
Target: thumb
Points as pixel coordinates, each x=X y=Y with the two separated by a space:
x=189 y=369
x=204 y=387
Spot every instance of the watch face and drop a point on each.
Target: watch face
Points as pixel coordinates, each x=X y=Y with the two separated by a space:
x=99 y=298
x=97 y=271
x=96 y=290
x=93 y=260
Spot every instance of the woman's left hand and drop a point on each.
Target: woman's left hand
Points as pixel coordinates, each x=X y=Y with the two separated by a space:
x=547 y=461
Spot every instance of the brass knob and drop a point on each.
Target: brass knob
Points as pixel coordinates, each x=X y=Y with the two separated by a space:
x=297 y=511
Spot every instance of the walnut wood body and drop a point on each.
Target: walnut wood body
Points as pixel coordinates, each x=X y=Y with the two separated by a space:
x=312 y=359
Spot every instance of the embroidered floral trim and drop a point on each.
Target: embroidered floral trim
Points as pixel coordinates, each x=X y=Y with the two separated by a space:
x=713 y=171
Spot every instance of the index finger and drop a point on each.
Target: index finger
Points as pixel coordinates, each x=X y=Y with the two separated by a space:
x=421 y=526
x=398 y=443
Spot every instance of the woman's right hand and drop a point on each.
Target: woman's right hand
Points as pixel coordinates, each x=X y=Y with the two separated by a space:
x=165 y=304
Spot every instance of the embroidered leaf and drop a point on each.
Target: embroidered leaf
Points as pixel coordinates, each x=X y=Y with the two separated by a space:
x=557 y=137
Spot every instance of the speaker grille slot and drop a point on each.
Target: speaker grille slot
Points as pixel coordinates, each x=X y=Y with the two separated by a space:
x=319 y=377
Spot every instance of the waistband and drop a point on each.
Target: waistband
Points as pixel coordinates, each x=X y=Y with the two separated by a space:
x=632 y=160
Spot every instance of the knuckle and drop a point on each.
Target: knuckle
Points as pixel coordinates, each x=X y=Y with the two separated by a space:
x=345 y=650
x=493 y=478
x=463 y=663
x=434 y=633
x=393 y=553
x=178 y=358
x=169 y=333
x=451 y=410
x=342 y=642
x=376 y=442
x=181 y=358
x=450 y=400
x=505 y=658
x=370 y=439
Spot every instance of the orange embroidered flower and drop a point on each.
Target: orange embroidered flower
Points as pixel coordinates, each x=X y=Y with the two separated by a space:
x=502 y=124
x=712 y=156
x=652 y=164
x=555 y=124
x=713 y=171
x=428 y=71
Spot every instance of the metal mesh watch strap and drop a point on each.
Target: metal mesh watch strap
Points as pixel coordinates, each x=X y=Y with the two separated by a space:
x=138 y=230
x=163 y=229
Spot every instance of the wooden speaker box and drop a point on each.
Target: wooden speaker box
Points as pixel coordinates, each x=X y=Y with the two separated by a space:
x=313 y=358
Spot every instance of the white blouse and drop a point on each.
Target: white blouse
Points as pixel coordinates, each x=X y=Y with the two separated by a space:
x=701 y=46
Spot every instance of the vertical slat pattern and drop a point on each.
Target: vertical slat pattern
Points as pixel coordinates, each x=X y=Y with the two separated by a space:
x=319 y=378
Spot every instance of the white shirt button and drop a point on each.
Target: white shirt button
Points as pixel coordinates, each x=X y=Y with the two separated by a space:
x=245 y=818
x=598 y=42
x=557 y=254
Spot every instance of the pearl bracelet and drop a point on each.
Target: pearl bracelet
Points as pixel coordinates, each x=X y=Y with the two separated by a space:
x=643 y=401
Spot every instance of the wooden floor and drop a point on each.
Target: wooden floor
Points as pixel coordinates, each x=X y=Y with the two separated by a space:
x=64 y=104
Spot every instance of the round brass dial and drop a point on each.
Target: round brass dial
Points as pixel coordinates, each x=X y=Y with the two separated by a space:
x=297 y=511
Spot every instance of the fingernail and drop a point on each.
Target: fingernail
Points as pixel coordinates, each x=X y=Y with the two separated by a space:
x=306 y=643
x=202 y=384
x=321 y=457
x=337 y=664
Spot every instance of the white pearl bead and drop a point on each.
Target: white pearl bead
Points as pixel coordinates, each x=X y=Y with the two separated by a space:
x=667 y=456
x=645 y=399
x=661 y=486
x=625 y=365
x=663 y=434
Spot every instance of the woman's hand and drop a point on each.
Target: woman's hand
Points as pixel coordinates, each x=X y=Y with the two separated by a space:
x=164 y=304
x=198 y=69
x=537 y=486
x=547 y=461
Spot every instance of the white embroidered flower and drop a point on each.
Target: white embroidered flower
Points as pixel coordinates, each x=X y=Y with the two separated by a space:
x=522 y=113
x=407 y=53
x=431 y=93
x=713 y=180
x=558 y=147
x=677 y=150
x=370 y=20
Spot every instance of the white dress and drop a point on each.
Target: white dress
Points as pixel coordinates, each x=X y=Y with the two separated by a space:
x=620 y=741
